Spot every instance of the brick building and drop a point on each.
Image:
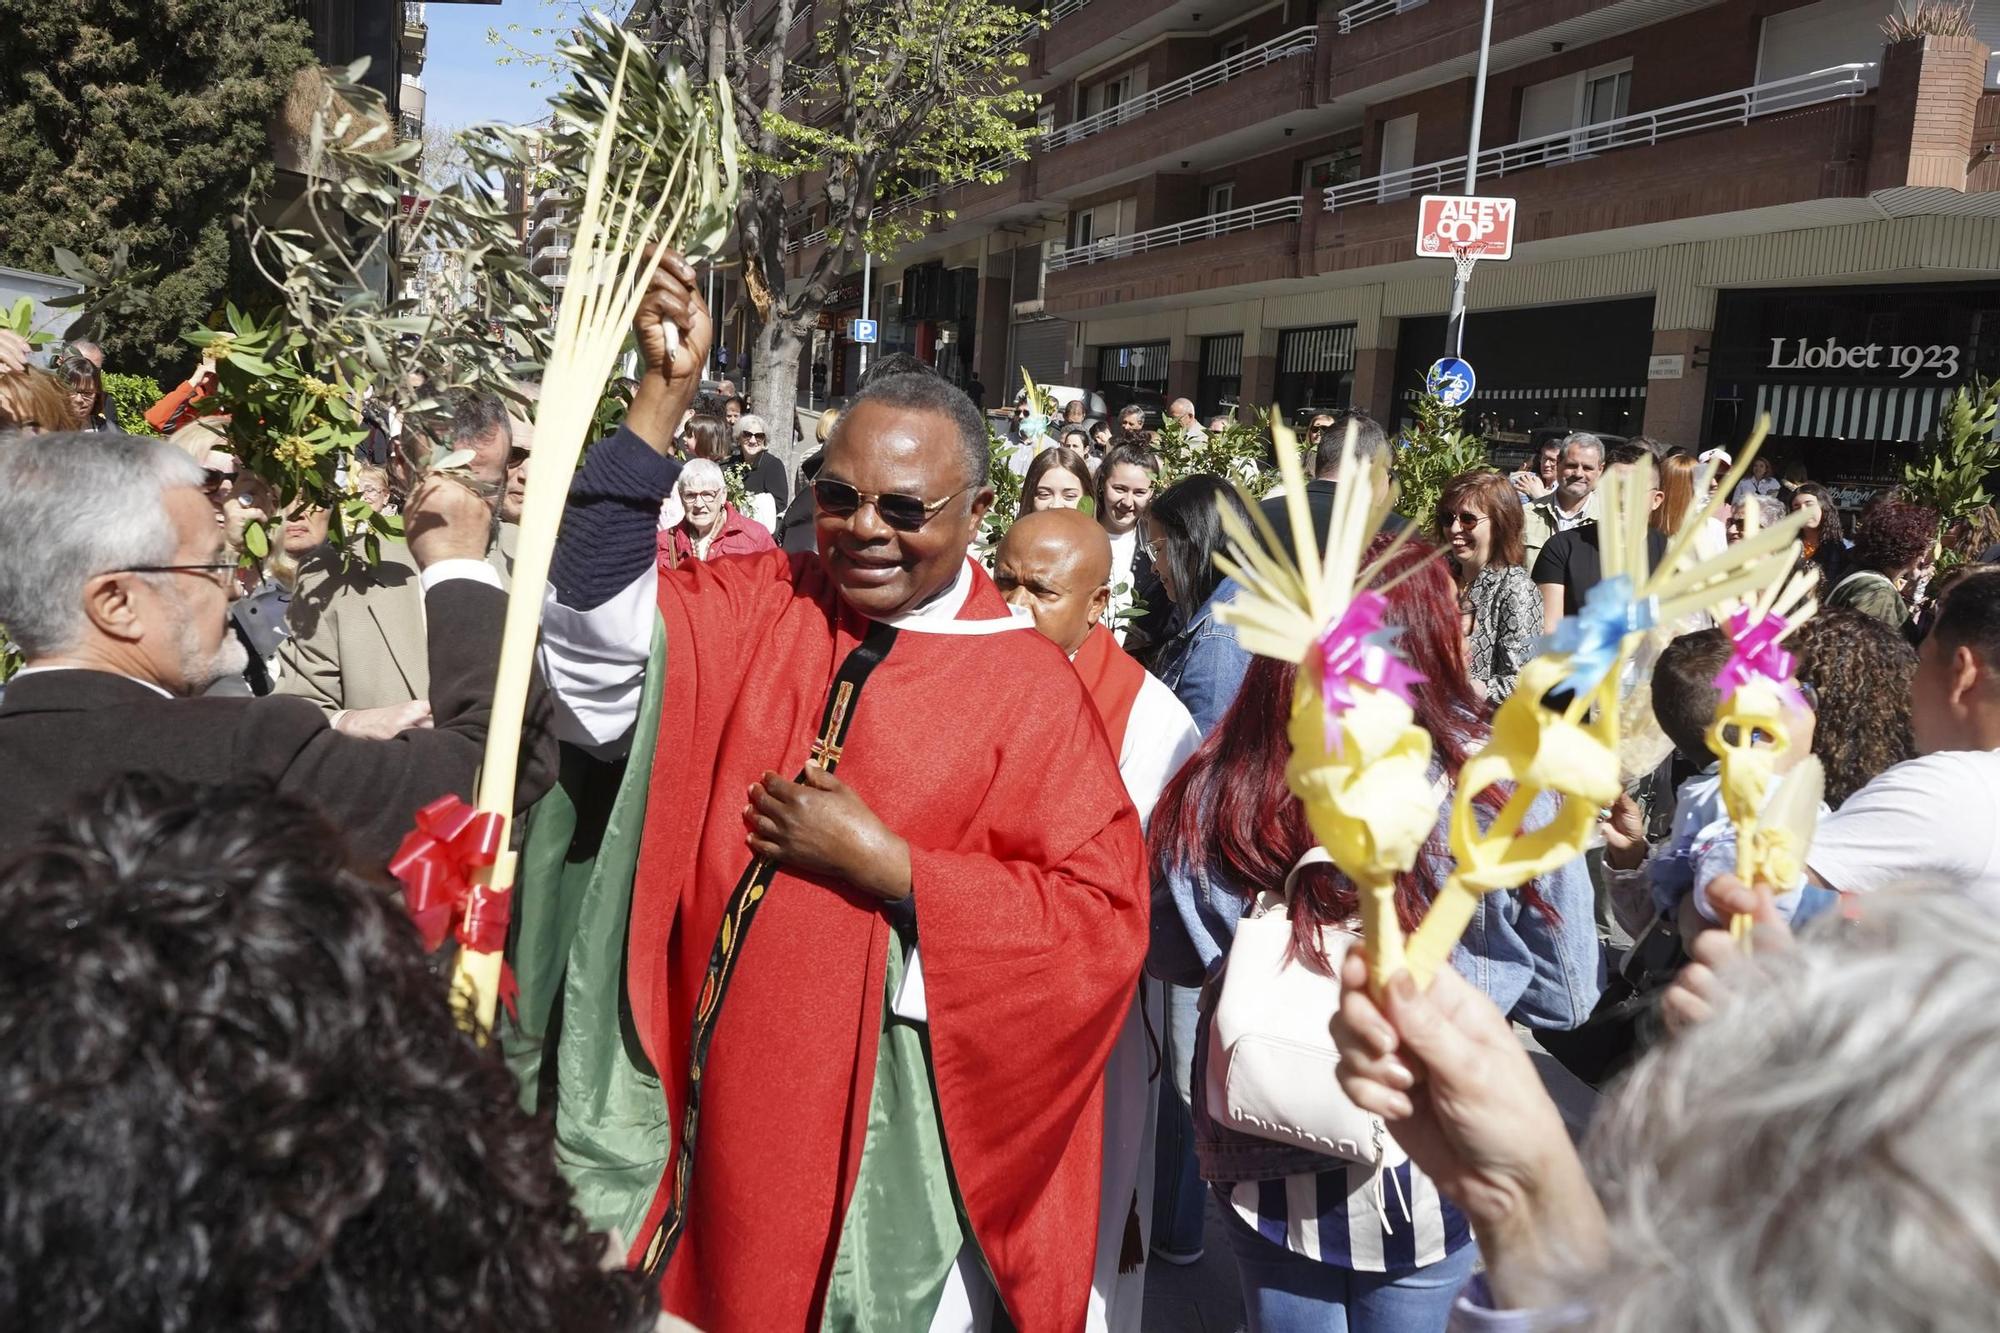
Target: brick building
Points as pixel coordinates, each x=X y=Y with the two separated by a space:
x=1723 y=208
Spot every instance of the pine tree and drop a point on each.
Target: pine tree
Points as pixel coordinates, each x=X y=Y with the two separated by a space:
x=141 y=123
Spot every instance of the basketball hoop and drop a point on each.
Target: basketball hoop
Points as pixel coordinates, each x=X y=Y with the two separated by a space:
x=1465 y=229
x=1463 y=257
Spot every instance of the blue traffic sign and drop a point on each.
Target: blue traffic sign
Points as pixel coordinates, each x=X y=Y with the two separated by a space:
x=862 y=331
x=1450 y=381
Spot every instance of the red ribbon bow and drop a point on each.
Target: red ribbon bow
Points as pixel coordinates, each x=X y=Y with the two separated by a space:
x=435 y=865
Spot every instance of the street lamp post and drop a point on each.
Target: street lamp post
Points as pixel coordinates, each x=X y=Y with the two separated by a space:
x=1454 y=332
x=867 y=273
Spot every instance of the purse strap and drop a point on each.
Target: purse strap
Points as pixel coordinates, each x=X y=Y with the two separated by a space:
x=737 y=915
x=1316 y=855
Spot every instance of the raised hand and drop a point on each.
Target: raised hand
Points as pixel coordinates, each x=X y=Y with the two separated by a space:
x=673 y=331
x=1444 y=1068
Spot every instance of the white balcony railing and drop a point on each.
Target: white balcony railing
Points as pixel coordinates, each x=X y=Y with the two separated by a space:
x=798 y=243
x=1721 y=111
x=1180 y=233
x=1367 y=11
x=1298 y=42
x=557 y=281
x=549 y=222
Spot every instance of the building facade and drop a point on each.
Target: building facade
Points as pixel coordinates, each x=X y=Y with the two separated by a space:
x=1723 y=209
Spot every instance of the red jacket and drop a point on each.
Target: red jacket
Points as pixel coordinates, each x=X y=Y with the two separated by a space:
x=737 y=536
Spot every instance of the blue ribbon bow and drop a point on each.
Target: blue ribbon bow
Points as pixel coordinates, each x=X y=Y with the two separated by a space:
x=1591 y=638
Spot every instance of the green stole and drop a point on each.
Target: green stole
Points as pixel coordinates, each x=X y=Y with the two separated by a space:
x=573 y=1047
x=574 y=1051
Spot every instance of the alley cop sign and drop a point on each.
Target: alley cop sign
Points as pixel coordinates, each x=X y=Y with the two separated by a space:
x=1479 y=226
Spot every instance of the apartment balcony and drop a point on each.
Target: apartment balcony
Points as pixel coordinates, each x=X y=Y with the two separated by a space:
x=410 y=101
x=1085 y=33
x=414 y=40
x=1771 y=144
x=545 y=200
x=1379 y=50
x=1216 y=114
x=546 y=225
x=1244 y=246
x=550 y=257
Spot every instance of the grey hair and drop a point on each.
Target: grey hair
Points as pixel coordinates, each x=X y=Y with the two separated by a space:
x=701 y=470
x=1818 y=1154
x=930 y=393
x=468 y=415
x=1769 y=511
x=1586 y=440
x=73 y=506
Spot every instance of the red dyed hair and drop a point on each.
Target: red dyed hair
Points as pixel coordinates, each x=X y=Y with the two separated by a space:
x=1228 y=814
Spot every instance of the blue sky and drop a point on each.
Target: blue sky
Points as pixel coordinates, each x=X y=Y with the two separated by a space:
x=464 y=78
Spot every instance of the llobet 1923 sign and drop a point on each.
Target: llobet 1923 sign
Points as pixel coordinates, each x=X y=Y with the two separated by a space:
x=1904 y=361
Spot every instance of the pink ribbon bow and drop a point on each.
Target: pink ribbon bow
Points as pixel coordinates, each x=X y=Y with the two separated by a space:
x=1356 y=648
x=1757 y=655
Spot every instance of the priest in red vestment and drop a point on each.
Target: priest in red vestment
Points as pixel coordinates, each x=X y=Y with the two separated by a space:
x=900 y=1093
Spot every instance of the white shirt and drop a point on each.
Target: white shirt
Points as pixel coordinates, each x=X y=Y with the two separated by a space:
x=1932 y=819
x=1124 y=550
x=1159 y=737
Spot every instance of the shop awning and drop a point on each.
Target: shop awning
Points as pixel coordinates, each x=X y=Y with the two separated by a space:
x=1898 y=415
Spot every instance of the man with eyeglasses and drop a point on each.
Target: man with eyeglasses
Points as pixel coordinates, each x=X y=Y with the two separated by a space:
x=358 y=645
x=951 y=925
x=116 y=581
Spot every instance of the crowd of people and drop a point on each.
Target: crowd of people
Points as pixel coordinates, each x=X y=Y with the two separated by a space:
x=997 y=811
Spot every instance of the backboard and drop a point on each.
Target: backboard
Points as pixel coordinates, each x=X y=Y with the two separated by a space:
x=1477 y=226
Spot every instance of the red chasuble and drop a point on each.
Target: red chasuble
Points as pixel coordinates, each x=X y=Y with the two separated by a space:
x=1113 y=679
x=984 y=753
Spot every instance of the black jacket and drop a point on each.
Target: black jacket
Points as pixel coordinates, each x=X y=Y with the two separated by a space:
x=63 y=734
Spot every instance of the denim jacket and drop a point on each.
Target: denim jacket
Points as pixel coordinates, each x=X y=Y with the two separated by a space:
x=1204 y=664
x=1540 y=975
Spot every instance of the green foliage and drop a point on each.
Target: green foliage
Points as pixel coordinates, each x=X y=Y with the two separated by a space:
x=141 y=125
x=21 y=320
x=1006 y=484
x=11 y=659
x=1237 y=454
x=291 y=427
x=1961 y=455
x=133 y=394
x=1431 y=455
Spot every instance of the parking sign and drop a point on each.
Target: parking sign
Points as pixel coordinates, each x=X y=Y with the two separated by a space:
x=862 y=331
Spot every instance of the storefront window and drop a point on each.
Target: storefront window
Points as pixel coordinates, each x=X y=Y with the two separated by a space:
x=1852 y=379
x=1134 y=373
x=1221 y=379
x=1315 y=369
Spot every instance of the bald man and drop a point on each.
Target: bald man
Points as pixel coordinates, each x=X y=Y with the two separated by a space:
x=1182 y=410
x=1057 y=566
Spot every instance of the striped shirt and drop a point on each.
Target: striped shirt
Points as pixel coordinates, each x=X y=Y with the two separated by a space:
x=1392 y=1222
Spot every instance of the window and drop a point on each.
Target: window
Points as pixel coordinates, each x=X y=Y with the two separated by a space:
x=1334 y=169
x=1221 y=198
x=1315 y=368
x=1045 y=119
x=1221 y=380
x=1103 y=96
x=1399 y=154
x=1082 y=230
x=1607 y=95
x=1235 y=46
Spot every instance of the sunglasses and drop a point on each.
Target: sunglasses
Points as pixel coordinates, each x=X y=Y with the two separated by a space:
x=904 y=513
x=750 y=435
x=1463 y=520
x=214 y=478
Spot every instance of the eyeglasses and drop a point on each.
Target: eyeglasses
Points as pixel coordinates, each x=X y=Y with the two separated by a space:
x=1463 y=520
x=1152 y=550
x=904 y=513
x=214 y=479
x=218 y=573
x=750 y=435
x=516 y=455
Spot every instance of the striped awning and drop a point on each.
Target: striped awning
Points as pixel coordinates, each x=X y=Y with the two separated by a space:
x=1485 y=395
x=1899 y=415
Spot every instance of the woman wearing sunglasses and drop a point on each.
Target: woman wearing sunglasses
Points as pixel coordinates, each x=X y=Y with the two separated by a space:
x=1479 y=521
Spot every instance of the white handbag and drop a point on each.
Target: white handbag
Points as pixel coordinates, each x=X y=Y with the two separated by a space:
x=1271 y=1056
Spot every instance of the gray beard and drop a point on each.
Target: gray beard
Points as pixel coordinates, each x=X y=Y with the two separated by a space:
x=200 y=669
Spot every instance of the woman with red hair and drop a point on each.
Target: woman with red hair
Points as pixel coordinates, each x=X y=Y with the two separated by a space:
x=1321 y=1242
